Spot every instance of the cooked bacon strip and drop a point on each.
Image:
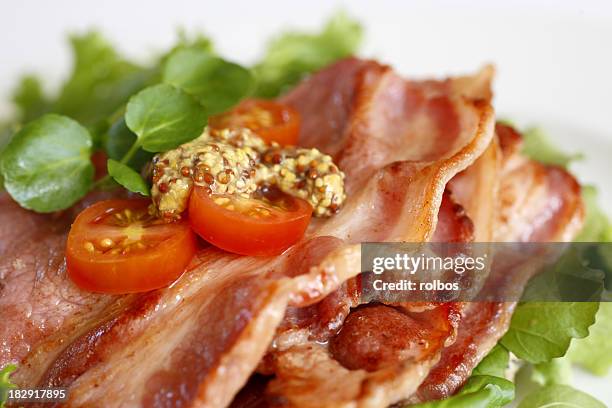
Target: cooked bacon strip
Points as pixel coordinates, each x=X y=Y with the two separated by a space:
x=402 y=141
x=537 y=203
x=453 y=223
x=400 y=335
x=476 y=190
x=326 y=102
x=369 y=367
x=481 y=327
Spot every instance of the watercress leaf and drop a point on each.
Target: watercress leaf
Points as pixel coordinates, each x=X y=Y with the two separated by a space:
x=495 y=363
x=29 y=99
x=197 y=41
x=559 y=396
x=293 y=55
x=595 y=351
x=6 y=133
x=480 y=391
x=118 y=141
x=5 y=382
x=46 y=166
x=164 y=117
x=100 y=82
x=540 y=331
x=216 y=83
x=127 y=177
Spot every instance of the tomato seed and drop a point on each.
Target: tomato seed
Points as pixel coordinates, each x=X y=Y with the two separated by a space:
x=106 y=243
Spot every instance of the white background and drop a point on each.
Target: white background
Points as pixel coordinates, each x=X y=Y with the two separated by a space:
x=554 y=58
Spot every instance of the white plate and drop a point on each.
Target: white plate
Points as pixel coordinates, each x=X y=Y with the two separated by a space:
x=553 y=57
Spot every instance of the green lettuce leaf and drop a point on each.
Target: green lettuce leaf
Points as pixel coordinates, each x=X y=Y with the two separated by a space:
x=101 y=80
x=559 y=396
x=555 y=371
x=197 y=42
x=573 y=277
x=547 y=385
x=5 y=382
x=541 y=331
x=486 y=388
x=495 y=363
x=539 y=147
x=597 y=226
x=480 y=391
x=595 y=351
x=29 y=99
x=294 y=54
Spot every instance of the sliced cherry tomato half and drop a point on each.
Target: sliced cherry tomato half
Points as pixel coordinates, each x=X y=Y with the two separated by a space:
x=272 y=121
x=265 y=225
x=115 y=246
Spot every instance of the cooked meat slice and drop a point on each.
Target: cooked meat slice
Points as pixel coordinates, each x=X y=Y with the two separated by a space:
x=476 y=190
x=453 y=223
x=402 y=141
x=369 y=373
x=482 y=325
x=536 y=203
x=377 y=336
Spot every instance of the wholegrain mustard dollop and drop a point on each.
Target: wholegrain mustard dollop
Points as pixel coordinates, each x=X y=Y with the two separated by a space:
x=237 y=161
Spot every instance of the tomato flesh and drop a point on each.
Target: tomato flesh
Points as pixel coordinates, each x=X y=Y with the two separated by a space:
x=115 y=246
x=264 y=225
x=272 y=121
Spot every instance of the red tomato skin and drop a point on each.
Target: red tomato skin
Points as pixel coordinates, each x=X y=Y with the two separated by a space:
x=284 y=130
x=121 y=274
x=240 y=234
